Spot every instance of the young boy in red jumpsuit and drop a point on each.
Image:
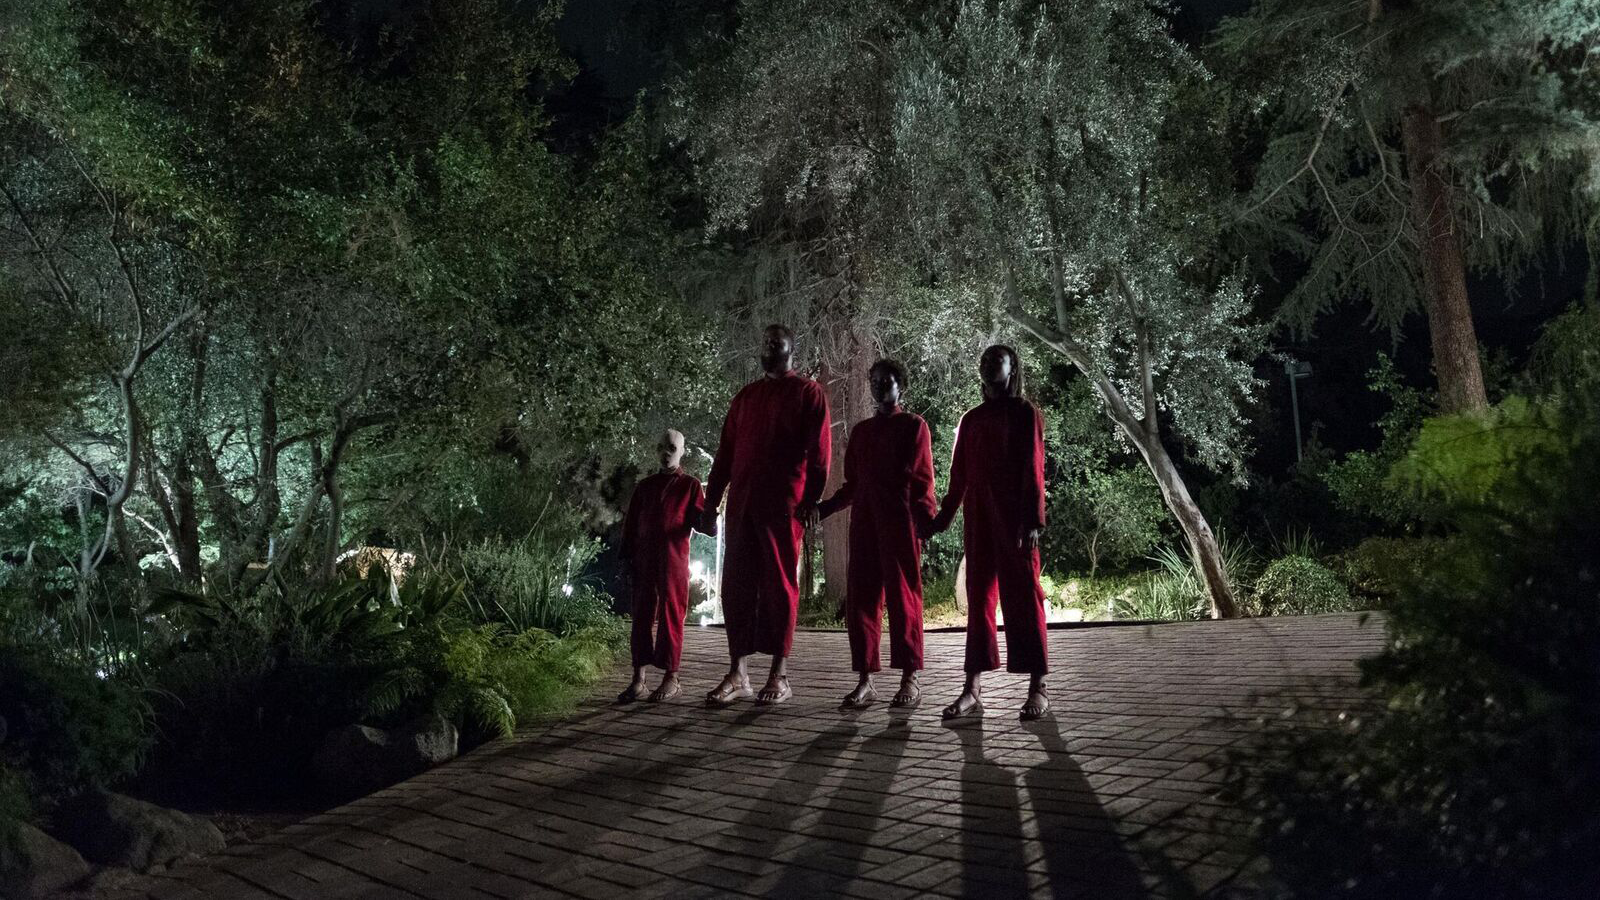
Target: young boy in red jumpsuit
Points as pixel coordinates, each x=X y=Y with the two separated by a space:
x=888 y=488
x=655 y=542
x=997 y=476
x=772 y=462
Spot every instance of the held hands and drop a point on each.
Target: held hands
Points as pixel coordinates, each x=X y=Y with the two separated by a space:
x=708 y=522
x=1028 y=538
x=809 y=514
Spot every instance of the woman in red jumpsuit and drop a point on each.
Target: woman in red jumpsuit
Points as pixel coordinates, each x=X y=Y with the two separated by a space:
x=997 y=477
x=888 y=488
x=655 y=541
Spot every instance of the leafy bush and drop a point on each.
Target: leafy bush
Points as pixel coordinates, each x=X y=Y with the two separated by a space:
x=67 y=729
x=1475 y=770
x=1174 y=592
x=1298 y=585
x=1374 y=569
x=487 y=678
x=534 y=583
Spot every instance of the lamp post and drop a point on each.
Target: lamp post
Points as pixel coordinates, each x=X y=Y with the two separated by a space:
x=1296 y=370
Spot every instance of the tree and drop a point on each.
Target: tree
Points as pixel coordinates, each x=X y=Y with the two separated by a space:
x=1416 y=140
x=1033 y=141
x=1011 y=152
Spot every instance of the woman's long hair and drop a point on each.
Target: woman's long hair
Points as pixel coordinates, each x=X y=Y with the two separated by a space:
x=1014 y=386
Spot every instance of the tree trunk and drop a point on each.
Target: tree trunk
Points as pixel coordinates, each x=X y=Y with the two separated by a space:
x=1146 y=436
x=849 y=401
x=1444 y=279
x=1203 y=546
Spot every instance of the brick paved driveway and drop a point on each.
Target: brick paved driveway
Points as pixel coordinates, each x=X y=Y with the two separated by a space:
x=1113 y=797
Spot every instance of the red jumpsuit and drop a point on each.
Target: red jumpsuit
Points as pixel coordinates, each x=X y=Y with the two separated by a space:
x=773 y=457
x=655 y=540
x=888 y=488
x=997 y=476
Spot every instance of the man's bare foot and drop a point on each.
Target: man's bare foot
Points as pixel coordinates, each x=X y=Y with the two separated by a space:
x=863 y=696
x=632 y=692
x=668 y=689
x=733 y=687
x=968 y=705
x=1038 y=703
x=775 y=691
x=910 y=693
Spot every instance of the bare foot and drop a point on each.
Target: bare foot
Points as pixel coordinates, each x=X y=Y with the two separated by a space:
x=668 y=689
x=863 y=696
x=775 y=691
x=1038 y=703
x=968 y=705
x=909 y=695
x=733 y=687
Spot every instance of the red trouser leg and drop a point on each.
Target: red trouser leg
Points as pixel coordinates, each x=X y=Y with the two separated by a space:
x=983 y=592
x=900 y=562
x=645 y=605
x=778 y=598
x=672 y=610
x=1023 y=601
x=863 y=608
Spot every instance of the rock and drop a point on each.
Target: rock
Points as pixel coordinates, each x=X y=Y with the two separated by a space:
x=359 y=759
x=34 y=864
x=114 y=830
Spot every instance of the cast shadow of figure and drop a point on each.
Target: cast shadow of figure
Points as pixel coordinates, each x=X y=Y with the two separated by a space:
x=1083 y=854
x=994 y=856
x=1077 y=852
x=836 y=845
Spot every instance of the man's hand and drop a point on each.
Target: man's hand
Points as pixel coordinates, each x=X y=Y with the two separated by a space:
x=808 y=514
x=708 y=522
x=1028 y=538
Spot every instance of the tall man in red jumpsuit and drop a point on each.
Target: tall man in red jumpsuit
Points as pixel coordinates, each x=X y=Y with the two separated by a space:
x=888 y=488
x=772 y=463
x=655 y=541
x=997 y=476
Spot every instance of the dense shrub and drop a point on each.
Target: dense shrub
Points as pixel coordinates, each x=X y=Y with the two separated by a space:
x=1374 y=569
x=1297 y=585
x=536 y=582
x=1475 y=770
x=67 y=729
x=1174 y=591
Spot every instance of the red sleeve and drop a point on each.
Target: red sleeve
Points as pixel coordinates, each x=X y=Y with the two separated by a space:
x=819 y=452
x=697 y=503
x=923 y=506
x=958 y=482
x=1033 y=486
x=722 y=465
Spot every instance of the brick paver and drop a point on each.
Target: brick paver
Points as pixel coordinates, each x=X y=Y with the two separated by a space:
x=1114 y=796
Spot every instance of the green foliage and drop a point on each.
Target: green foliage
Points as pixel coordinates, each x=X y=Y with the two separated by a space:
x=1375 y=569
x=536 y=583
x=1174 y=591
x=1359 y=482
x=1298 y=585
x=1329 y=83
x=66 y=728
x=1472 y=774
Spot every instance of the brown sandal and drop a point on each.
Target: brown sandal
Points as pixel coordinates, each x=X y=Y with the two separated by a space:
x=867 y=698
x=909 y=695
x=783 y=693
x=666 y=691
x=725 y=694
x=1041 y=708
x=957 y=711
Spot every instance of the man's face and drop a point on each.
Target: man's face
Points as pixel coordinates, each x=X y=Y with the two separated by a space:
x=776 y=350
x=994 y=368
x=885 y=386
x=670 y=449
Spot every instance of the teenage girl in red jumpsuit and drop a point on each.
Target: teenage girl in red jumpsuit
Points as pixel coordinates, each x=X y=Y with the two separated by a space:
x=888 y=488
x=997 y=477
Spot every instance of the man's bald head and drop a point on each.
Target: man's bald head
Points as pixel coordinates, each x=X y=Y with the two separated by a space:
x=777 y=349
